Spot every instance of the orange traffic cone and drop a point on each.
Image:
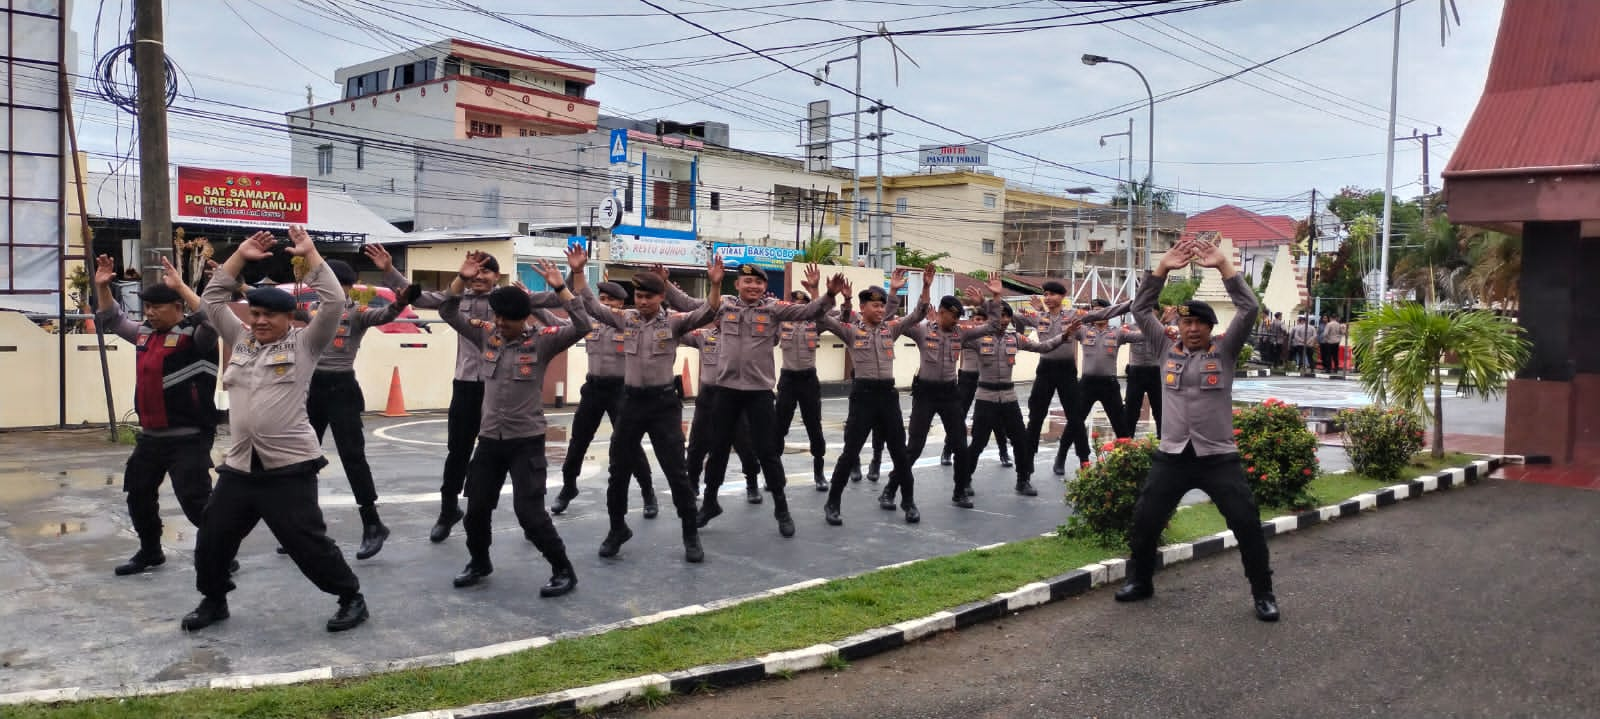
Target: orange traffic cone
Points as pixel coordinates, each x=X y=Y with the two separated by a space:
x=397 y=401
x=688 y=389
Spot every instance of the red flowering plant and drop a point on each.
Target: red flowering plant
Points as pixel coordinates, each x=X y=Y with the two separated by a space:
x=1277 y=452
x=1381 y=442
x=1105 y=490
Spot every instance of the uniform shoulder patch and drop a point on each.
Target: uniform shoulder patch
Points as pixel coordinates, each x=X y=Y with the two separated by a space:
x=549 y=330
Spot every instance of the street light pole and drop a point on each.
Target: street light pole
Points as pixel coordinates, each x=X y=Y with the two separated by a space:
x=1129 y=135
x=1150 y=152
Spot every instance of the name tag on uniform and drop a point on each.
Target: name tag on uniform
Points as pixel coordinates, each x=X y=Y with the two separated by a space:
x=730 y=317
x=860 y=344
x=1211 y=367
x=280 y=358
x=170 y=341
x=524 y=359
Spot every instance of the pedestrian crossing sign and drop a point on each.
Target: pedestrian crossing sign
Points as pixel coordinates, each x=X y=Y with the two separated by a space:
x=619 y=146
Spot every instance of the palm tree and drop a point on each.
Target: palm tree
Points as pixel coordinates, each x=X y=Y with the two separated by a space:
x=1496 y=267
x=1400 y=350
x=1437 y=266
x=820 y=251
x=1139 y=191
x=908 y=257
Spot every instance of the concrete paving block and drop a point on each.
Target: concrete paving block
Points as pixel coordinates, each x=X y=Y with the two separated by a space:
x=245 y=681
x=1116 y=569
x=616 y=692
x=798 y=660
x=914 y=629
x=1429 y=484
x=1229 y=541
x=1329 y=512
x=1207 y=546
x=500 y=650
x=1284 y=525
x=1029 y=595
x=980 y=611
x=1308 y=518
x=557 y=704
x=47 y=696
x=1097 y=573
x=1367 y=500
x=1175 y=553
x=1401 y=491
x=797 y=586
x=1070 y=584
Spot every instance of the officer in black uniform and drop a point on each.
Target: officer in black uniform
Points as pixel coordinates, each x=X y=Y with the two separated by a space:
x=967 y=386
x=1197 y=448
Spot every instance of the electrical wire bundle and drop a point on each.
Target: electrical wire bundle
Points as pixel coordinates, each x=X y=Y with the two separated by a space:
x=122 y=90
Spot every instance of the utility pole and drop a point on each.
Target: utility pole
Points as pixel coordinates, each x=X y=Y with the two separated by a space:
x=1311 y=252
x=577 y=190
x=1427 y=179
x=881 y=253
x=155 y=198
x=1388 y=169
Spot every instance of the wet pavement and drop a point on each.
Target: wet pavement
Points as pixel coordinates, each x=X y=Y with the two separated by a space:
x=69 y=622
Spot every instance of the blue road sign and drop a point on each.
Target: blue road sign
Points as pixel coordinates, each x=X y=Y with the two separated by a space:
x=619 y=146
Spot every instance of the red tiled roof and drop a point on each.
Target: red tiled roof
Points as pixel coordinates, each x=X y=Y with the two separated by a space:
x=1541 y=104
x=1243 y=227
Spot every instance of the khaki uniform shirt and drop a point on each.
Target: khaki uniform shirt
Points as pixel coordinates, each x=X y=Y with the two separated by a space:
x=871 y=347
x=604 y=343
x=1100 y=348
x=1053 y=324
x=474 y=306
x=940 y=349
x=705 y=339
x=1335 y=333
x=1197 y=387
x=267 y=384
x=353 y=325
x=513 y=368
x=650 y=345
x=997 y=356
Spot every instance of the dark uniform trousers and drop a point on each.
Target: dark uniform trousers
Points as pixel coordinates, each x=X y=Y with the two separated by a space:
x=928 y=400
x=700 y=442
x=336 y=400
x=522 y=458
x=1222 y=479
x=658 y=413
x=600 y=397
x=1330 y=356
x=874 y=408
x=1144 y=382
x=993 y=418
x=800 y=388
x=1108 y=393
x=284 y=498
x=967 y=386
x=187 y=459
x=756 y=406
x=1055 y=379
x=462 y=422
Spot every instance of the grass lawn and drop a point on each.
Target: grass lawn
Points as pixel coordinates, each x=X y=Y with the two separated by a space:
x=800 y=619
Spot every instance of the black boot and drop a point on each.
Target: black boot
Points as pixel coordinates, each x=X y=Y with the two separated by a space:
x=449 y=514
x=886 y=501
x=1135 y=590
x=149 y=555
x=785 y=523
x=561 y=582
x=816 y=474
x=648 y=492
x=912 y=515
x=352 y=612
x=474 y=573
x=692 y=551
x=1005 y=456
x=1266 y=607
x=619 y=535
x=855 y=472
x=961 y=499
x=752 y=493
x=872 y=472
x=709 y=509
x=1060 y=466
x=210 y=611
x=372 y=533
x=564 y=498
x=830 y=514
x=944 y=458
x=1025 y=488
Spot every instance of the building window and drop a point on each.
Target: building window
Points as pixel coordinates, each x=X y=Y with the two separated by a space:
x=452 y=66
x=861 y=249
x=988 y=247
x=361 y=155
x=414 y=73
x=861 y=209
x=372 y=82
x=497 y=74
x=478 y=128
x=990 y=200
x=900 y=205
x=575 y=89
x=716 y=201
x=1097 y=246
x=325 y=159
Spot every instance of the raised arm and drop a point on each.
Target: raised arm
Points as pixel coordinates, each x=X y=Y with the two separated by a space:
x=108 y=312
x=1244 y=299
x=450 y=309
x=320 y=331
x=686 y=322
x=218 y=294
x=1106 y=313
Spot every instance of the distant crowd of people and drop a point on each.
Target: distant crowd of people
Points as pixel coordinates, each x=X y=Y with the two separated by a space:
x=1306 y=344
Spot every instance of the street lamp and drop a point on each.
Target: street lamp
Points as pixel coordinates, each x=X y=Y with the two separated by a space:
x=1128 y=134
x=1150 y=150
x=818 y=78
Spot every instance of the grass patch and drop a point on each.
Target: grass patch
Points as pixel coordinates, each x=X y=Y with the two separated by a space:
x=800 y=619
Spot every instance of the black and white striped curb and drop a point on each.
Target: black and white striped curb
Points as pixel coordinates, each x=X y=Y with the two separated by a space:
x=865 y=644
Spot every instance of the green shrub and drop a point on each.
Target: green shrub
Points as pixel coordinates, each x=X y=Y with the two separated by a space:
x=1380 y=442
x=1103 y=495
x=1246 y=353
x=1278 y=453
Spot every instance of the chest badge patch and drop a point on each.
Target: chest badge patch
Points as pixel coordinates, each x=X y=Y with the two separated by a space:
x=1212 y=380
x=280 y=370
x=170 y=341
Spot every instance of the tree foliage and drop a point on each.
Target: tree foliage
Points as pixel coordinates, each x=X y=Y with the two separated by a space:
x=820 y=251
x=909 y=257
x=1141 y=190
x=1177 y=292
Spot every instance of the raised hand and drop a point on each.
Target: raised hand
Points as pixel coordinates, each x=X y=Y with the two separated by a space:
x=659 y=269
x=1169 y=314
x=1037 y=302
x=897 y=281
x=813 y=277
x=258 y=246
x=714 y=271
x=472 y=265
x=928 y=274
x=380 y=256
x=1209 y=255
x=1177 y=258
x=302 y=242
x=836 y=283
x=549 y=271
x=170 y=275
x=971 y=294
x=105 y=270
x=577 y=258
x=995 y=287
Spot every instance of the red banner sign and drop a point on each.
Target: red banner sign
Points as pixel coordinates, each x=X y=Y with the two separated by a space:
x=226 y=197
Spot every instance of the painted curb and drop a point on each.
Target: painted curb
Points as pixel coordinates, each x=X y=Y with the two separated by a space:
x=876 y=641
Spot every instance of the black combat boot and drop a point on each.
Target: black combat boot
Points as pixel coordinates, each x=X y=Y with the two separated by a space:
x=210 y=611
x=474 y=573
x=692 y=551
x=568 y=493
x=618 y=536
x=709 y=509
x=352 y=612
x=816 y=474
x=561 y=581
x=1135 y=589
x=372 y=533
x=149 y=555
x=449 y=514
x=648 y=492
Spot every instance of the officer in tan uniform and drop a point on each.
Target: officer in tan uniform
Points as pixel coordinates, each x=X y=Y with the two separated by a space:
x=934 y=392
x=798 y=386
x=1197 y=448
x=651 y=404
x=270 y=472
x=1099 y=382
x=967 y=385
x=512 y=432
x=706 y=341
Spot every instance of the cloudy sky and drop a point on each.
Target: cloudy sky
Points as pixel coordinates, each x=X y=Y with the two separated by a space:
x=1315 y=119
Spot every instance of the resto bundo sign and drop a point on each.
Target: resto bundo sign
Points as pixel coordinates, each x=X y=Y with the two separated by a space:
x=767 y=258
x=953 y=155
x=227 y=197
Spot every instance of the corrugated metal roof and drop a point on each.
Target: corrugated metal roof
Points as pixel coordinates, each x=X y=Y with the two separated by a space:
x=1541 y=103
x=1243 y=227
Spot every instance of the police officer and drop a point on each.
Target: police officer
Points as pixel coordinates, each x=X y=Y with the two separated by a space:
x=1333 y=335
x=748 y=325
x=335 y=398
x=1099 y=382
x=466 y=391
x=1144 y=372
x=997 y=346
x=1197 y=449
x=706 y=341
x=1056 y=376
x=175 y=377
x=798 y=386
x=601 y=396
x=511 y=435
x=933 y=390
x=270 y=471
x=874 y=402
x=967 y=386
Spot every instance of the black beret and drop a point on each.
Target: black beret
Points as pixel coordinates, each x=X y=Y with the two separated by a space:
x=159 y=295
x=270 y=299
x=949 y=302
x=1054 y=287
x=649 y=282
x=978 y=311
x=799 y=296
x=1006 y=311
x=752 y=271
x=510 y=303
x=343 y=272
x=490 y=263
x=872 y=294
x=1198 y=310
x=613 y=290
x=1101 y=302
